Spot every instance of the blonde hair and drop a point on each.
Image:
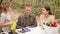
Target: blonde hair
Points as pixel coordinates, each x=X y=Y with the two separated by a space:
x=6 y=5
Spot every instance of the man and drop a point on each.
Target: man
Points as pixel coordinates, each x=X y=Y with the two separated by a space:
x=27 y=19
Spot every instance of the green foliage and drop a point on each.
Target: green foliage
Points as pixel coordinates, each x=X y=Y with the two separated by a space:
x=57 y=14
x=16 y=6
x=36 y=5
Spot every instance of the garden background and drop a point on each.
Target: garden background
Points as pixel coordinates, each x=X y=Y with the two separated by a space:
x=17 y=6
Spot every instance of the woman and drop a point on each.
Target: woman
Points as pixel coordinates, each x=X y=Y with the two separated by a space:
x=45 y=18
x=5 y=18
x=2 y=10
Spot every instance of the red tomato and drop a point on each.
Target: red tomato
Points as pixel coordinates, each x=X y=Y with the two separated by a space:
x=54 y=24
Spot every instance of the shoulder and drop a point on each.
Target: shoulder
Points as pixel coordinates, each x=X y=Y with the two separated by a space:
x=33 y=16
x=41 y=16
x=21 y=16
x=2 y=14
x=52 y=16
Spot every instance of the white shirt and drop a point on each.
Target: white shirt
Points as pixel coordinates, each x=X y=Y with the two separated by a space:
x=4 y=19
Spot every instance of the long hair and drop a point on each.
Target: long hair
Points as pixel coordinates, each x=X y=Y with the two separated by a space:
x=6 y=5
x=1 y=8
x=48 y=9
x=1 y=1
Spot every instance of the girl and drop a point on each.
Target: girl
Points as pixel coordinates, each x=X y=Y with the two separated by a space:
x=46 y=17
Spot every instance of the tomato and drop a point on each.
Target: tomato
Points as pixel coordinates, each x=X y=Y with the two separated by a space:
x=54 y=24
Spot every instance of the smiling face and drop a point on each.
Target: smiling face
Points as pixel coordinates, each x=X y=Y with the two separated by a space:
x=44 y=11
x=27 y=10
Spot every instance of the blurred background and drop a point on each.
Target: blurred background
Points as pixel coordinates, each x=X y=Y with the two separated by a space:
x=18 y=5
x=36 y=6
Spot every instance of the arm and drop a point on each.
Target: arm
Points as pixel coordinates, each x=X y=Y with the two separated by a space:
x=18 y=23
x=34 y=24
x=54 y=20
x=41 y=22
x=5 y=24
x=8 y=22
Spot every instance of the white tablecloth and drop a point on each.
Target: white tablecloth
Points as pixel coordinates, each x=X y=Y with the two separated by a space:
x=39 y=30
x=35 y=30
x=51 y=30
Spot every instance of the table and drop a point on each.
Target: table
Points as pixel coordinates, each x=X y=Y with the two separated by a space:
x=39 y=30
x=35 y=30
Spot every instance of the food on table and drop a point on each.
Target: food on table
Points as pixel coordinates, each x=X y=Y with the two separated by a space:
x=54 y=24
x=51 y=24
x=48 y=23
